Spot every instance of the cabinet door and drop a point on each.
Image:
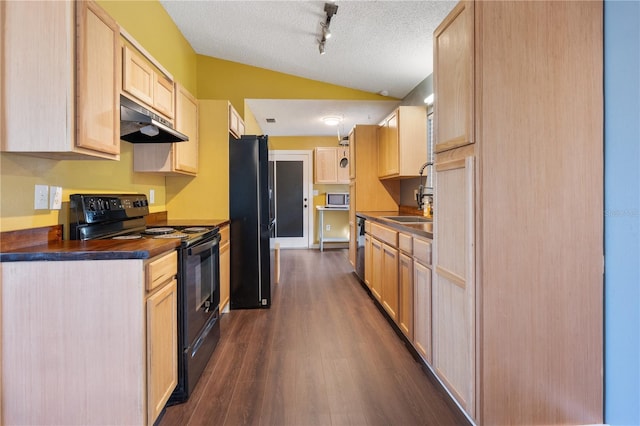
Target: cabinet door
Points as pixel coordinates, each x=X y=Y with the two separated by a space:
x=352 y=154
x=225 y=265
x=405 y=287
x=138 y=78
x=343 y=165
x=390 y=280
x=98 y=80
x=326 y=165
x=392 y=160
x=163 y=95
x=453 y=78
x=422 y=310
x=454 y=282
x=162 y=348
x=353 y=229
x=185 y=156
x=28 y=50
x=368 y=259
x=376 y=269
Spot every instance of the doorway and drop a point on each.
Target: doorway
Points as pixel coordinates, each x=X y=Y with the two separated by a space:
x=291 y=203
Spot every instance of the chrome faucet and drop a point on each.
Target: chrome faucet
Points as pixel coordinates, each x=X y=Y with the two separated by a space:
x=421 y=189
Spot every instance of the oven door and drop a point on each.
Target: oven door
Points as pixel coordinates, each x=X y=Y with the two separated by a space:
x=200 y=286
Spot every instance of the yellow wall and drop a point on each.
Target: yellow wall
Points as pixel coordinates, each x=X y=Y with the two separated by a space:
x=220 y=79
x=205 y=196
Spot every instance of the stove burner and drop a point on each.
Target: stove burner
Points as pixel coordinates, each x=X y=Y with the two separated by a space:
x=172 y=235
x=159 y=231
x=194 y=229
x=127 y=237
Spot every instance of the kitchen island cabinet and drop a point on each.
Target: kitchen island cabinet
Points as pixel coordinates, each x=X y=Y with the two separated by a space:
x=76 y=44
x=101 y=347
x=517 y=291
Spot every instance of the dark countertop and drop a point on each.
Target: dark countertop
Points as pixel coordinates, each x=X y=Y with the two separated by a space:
x=188 y=222
x=101 y=249
x=91 y=250
x=420 y=229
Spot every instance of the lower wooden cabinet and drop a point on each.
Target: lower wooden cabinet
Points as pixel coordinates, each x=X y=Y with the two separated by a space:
x=390 y=280
x=368 y=260
x=376 y=276
x=103 y=339
x=162 y=350
x=422 y=310
x=406 y=295
x=225 y=265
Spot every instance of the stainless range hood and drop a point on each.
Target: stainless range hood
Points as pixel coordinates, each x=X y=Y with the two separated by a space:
x=139 y=125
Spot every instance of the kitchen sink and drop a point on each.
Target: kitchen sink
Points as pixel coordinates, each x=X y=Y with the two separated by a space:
x=408 y=219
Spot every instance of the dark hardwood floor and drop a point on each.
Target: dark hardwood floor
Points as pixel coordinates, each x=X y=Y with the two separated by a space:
x=322 y=355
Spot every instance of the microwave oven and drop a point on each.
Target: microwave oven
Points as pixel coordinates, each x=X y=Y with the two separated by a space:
x=337 y=199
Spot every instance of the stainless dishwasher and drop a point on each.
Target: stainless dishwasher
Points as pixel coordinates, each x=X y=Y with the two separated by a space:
x=360 y=250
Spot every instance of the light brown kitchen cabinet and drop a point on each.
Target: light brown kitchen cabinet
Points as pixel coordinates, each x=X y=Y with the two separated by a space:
x=367 y=192
x=422 y=310
x=376 y=275
x=162 y=332
x=331 y=165
x=402 y=143
x=225 y=266
x=390 y=280
x=77 y=43
x=454 y=287
x=236 y=124
x=146 y=83
x=405 y=295
x=453 y=51
x=115 y=341
x=179 y=158
x=384 y=272
x=368 y=261
x=405 y=284
x=508 y=265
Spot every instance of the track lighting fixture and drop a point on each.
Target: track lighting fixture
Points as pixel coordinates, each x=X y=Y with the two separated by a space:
x=330 y=9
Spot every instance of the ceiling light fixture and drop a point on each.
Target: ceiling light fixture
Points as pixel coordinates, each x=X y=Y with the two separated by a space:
x=330 y=9
x=332 y=120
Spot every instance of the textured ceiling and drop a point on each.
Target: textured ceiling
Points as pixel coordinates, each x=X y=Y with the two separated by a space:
x=376 y=46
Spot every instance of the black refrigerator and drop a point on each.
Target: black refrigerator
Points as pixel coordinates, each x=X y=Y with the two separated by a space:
x=251 y=222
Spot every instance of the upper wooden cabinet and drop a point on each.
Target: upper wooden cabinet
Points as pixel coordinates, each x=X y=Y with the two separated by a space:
x=402 y=143
x=141 y=80
x=73 y=113
x=454 y=59
x=331 y=165
x=179 y=158
x=236 y=124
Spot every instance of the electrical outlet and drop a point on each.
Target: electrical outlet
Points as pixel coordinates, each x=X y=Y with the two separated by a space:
x=55 y=197
x=41 y=198
x=327 y=227
x=152 y=196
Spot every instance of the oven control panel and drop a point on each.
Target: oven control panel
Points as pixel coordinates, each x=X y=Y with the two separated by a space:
x=93 y=208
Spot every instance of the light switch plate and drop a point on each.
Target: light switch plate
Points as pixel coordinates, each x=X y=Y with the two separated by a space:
x=55 y=197
x=152 y=196
x=41 y=198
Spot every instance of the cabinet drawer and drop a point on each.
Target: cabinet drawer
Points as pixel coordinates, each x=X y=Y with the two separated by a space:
x=405 y=243
x=422 y=251
x=387 y=235
x=367 y=227
x=161 y=270
x=224 y=234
